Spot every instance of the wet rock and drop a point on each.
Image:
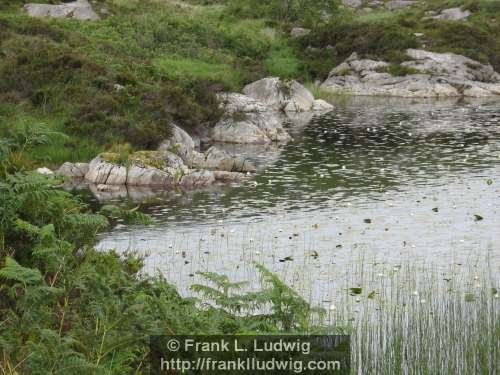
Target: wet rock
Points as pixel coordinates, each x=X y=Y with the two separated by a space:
x=321 y=105
x=197 y=179
x=108 y=188
x=75 y=170
x=80 y=9
x=436 y=75
x=227 y=177
x=216 y=159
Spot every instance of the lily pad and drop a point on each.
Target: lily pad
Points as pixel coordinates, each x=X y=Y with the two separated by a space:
x=355 y=291
x=478 y=217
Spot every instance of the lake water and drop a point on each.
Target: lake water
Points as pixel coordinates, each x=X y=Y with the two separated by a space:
x=375 y=184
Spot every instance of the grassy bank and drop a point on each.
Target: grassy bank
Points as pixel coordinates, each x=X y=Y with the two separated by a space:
x=147 y=64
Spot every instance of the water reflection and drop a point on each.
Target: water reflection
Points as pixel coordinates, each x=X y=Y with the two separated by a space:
x=418 y=170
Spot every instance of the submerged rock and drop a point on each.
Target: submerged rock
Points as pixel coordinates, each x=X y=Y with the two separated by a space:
x=197 y=179
x=320 y=105
x=430 y=74
x=80 y=9
x=216 y=159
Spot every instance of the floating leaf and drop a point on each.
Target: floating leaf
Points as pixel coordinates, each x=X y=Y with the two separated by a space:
x=489 y=181
x=435 y=209
x=371 y=295
x=286 y=259
x=314 y=254
x=478 y=217
x=368 y=221
x=356 y=291
x=494 y=291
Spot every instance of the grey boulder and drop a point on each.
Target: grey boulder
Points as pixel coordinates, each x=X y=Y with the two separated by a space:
x=80 y=9
x=76 y=170
x=280 y=95
x=247 y=120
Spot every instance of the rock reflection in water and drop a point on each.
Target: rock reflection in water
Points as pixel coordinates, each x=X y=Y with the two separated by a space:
x=363 y=181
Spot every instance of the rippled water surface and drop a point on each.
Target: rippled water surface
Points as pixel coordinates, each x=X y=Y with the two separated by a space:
x=381 y=181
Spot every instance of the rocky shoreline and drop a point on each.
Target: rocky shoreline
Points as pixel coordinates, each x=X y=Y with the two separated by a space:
x=425 y=74
x=255 y=117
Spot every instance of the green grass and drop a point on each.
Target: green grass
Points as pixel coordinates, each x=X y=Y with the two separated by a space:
x=182 y=69
x=283 y=63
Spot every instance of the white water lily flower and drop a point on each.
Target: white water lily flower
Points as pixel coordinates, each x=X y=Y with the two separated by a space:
x=332 y=307
x=415 y=293
x=422 y=301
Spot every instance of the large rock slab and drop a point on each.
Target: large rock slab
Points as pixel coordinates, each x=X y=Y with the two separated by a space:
x=432 y=75
x=280 y=95
x=165 y=169
x=247 y=120
x=453 y=14
x=399 y=4
x=80 y=9
x=144 y=168
x=106 y=172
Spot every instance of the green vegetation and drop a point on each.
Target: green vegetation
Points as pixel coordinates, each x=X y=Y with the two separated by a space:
x=125 y=78
x=385 y=35
x=70 y=90
x=66 y=308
